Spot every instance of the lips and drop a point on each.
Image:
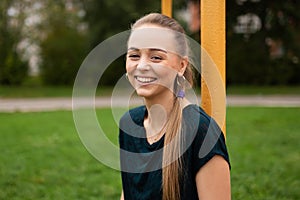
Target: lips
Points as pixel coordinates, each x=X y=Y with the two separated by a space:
x=142 y=79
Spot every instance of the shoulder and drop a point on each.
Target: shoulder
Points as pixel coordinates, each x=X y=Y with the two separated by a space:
x=204 y=137
x=194 y=115
x=199 y=126
x=135 y=115
x=195 y=111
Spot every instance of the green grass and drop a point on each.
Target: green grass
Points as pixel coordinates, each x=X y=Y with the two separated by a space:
x=66 y=91
x=264 y=149
x=42 y=156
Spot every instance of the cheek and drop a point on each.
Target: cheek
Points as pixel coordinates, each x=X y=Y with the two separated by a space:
x=175 y=63
x=129 y=66
x=167 y=76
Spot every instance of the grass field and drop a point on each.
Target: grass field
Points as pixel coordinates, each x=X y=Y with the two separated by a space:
x=42 y=156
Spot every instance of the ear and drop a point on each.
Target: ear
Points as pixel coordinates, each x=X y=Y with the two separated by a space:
x=183 y=65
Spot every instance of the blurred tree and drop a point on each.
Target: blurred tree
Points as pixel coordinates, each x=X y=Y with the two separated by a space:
x=62 y=53
x=263 y=41
x=13 y=69
x=64 y=45
x=282 y=24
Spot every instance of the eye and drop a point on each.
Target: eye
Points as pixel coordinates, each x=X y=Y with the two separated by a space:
x=133 y=56
x=156 y=58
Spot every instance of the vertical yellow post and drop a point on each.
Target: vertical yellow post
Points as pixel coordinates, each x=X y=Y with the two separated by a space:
x=166 y=7
x=213 y=42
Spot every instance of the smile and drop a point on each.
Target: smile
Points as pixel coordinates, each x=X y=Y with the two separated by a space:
x=145 y=79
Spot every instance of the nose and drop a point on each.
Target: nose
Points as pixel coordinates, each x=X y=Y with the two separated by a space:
x=143 y=64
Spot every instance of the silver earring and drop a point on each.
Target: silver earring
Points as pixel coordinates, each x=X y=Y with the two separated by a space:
x=181 y=81
x=126 y=75
x=180 y=86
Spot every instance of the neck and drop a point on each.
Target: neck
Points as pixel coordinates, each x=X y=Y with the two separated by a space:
x=165 y=103
x=159 y=110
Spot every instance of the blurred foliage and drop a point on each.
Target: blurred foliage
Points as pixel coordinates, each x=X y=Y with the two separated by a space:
x=13 y=70
x=64 y=47
x=269 y=56
x=62 y=52
x=64 y=31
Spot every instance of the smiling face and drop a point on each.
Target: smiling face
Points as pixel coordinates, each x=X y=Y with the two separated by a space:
x=152 y=62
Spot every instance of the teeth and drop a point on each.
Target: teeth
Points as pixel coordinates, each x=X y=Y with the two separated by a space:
x=145 y=79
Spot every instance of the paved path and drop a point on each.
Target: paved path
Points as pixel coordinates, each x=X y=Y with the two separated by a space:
x=49 y=104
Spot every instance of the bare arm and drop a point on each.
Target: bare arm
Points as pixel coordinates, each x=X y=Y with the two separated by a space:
x=122 y=196
x=213 y=180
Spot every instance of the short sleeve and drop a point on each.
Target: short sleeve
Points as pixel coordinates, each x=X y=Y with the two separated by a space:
x=209 y=141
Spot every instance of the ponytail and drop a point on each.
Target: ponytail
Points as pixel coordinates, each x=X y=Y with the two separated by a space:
x=172 y=163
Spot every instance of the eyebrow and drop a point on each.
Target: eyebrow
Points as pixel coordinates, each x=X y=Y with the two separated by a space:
x=151 y=49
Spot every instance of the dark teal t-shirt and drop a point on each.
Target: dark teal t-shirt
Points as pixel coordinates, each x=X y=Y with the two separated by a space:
x=141 y=162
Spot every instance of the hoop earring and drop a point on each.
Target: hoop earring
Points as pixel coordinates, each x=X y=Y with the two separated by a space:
x=180 y=80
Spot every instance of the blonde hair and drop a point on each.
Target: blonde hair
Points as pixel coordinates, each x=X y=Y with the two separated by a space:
x=172 y=162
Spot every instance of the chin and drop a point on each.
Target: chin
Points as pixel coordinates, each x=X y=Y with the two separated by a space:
x=146 y=91
x=145 y=94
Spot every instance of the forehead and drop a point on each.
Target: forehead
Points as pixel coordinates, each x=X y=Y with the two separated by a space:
x=153 y=37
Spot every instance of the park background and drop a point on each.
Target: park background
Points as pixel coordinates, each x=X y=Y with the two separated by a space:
x=42 y=45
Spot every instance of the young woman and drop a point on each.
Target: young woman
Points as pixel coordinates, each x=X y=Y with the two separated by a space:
x=161 y=141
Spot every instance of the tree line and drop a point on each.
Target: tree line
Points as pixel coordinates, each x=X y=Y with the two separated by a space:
x=51 y=38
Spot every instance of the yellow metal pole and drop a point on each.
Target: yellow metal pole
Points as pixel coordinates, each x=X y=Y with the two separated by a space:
x=166 y=7
x=213 y=42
